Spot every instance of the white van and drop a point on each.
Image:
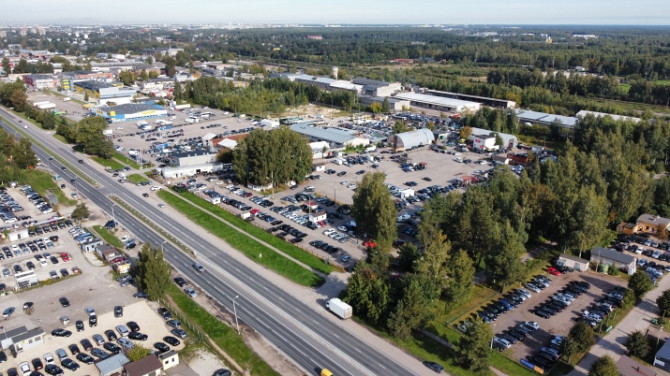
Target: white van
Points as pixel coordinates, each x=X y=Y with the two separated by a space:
x=459 y=160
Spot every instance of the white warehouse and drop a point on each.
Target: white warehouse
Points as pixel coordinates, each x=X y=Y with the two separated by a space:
x=433 y=102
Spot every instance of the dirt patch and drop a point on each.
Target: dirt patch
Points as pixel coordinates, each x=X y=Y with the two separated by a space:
x=312 y=109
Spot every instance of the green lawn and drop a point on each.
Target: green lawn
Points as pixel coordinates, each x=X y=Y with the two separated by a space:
x=250 y=247
x=107 y=236
x=108 y=163
x=137 y=178
x=479 y=296
x=43 y=182
x=289 y=249
x=122 y=158
x=225 y=337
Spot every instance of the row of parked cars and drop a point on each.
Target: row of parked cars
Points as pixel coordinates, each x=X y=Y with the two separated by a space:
x=600 y=309
x=8 y=206
x=514 y=334
x=547 y=355
x=562 y=299
x=36 y=199
x=505 y=304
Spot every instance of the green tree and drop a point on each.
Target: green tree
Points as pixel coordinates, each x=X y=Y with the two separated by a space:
x=408 y=255
x=399 y=127
x=127 y=77
x=6 y=66
x=86 y=98
x=89 y=135
x=473 y=348
x=386 y=108
x=411 y=310
x=23 y=154
x=569 y=348
x=637 y=344
x=170 y=64
x=629 y=299
x=152 y=272
x=663 y=302
x=583 y=336
x=604 y=366
x=461 y=273
x=375 y=108
x=80 y=212
x=466 y=132
x=374 y=211
x=640 y=283
x=19 y=100
x=138 y=352
x=48 y=120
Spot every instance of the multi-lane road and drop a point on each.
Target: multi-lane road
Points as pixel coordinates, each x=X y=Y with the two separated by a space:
x=298 y=330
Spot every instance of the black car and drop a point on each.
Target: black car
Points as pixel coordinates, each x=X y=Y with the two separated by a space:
x=86 y=344
x=74 y=349
x=85 y=358
x=64 y=302
x=132 y=325
x=181 y=282
x=165 y=313
x=436 y=367
x=111 y=347
x=37 y=364
x=60 y=332
x=93 y=321
x=162 y=347
x=118 y=311
x=138 y=336
x=53 y=370
x=222 y=372
x=111 y=336
x=542 y=313
x=69 y=364
x=79 y=325
x=171 y=340
x=100 y=354
x=3 y=356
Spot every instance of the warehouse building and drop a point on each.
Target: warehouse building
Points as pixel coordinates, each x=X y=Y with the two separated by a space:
x=486 y=101
x=540 y=118
x=584 y=113
x=104 y=93
x=441 y=104
x=130 y=112
x=376 y=88
x=613 y=259
x=410 y=140
x=662 y=358
x=41 y=81
x=336 y=137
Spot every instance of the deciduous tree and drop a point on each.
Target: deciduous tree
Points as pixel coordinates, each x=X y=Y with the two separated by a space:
x=152 y=272
x=473 y=348
x=640 y=283
x=604 y=366
x=583 y=336
x=374 y=211
x=637 y=344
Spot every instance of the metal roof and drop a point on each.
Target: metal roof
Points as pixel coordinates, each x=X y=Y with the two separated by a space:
x=584 y=113
x=611 y=254
x=336 y=135
x=506 y=137
x=132 y=108
x=664 y=352
x=439 y=101
x=545 y=118
x=423 y=136
x=112 y=364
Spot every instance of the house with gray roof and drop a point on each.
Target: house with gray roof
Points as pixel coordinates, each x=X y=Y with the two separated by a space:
x=112 y=365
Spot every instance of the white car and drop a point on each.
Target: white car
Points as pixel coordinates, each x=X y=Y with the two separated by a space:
x=25 y=368
x=155 y=188
x=48 y=358
x=533 y=324
x=123 y=331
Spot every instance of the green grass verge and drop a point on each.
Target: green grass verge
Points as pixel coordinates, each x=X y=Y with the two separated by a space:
x=478 y=296
x=60 y=138
x=115 y=165
x=137 y=178
x=43 y=182
x=224 y=337
x=259 y=233
x=107 y=236
x=123 y=159
x=250 y=247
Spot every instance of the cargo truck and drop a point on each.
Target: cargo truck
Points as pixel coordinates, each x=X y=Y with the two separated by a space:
x=340 y=308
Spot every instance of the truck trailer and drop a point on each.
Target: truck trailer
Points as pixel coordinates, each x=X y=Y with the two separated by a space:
x=340 y=308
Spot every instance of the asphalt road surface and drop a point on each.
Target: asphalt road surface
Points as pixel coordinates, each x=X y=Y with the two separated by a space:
x=299 y=331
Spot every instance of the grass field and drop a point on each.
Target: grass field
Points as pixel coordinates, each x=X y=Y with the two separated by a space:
x=137 y=178
x=479 y=296
x=107 y=236
x=115 y=165
x=224 y=337
x=289 y=249
x=123 y=159
x=42 y=183
x=250 y=247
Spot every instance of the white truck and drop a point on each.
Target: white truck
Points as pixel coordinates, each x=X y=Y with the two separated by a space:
x=340 y=308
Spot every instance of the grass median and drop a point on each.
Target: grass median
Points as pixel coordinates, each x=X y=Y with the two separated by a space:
x=291 y=250
x=123 y=159
x=243 y=243
x=108 y=237
x=224 y=336
x=111 y=163
x=137 y=178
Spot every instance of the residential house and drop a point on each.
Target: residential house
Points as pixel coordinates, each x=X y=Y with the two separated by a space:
x=652 y=223
x=147 y=366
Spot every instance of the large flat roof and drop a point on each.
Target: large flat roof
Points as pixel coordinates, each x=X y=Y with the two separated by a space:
x=435 y=100
x=336 y=135
x=132 y=108
x=542 y=117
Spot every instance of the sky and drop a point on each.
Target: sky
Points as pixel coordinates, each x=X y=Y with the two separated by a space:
x=224 y=12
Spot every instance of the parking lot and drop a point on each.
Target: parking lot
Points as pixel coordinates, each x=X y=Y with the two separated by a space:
x=561 y=323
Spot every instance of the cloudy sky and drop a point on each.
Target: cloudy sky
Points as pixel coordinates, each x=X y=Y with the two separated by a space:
x=596 y=12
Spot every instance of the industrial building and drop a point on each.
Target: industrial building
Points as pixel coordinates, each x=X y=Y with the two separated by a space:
x=409 y=140
x=375 y=88
x=441 y=104
x=509 y=140
x=662 y=358
x=336 y=137
x=583 y=113
x=104 y=93
x=395 y=104
x=41 y=81
x=486 y=101
x=613 y=259
x=130 y=112
x=541 y=118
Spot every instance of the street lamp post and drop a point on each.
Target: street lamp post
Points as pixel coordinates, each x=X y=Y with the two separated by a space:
x=237 y=325
x=163 y=250
x=113 y=216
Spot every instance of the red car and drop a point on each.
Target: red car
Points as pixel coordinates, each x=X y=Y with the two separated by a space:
x=553 y=271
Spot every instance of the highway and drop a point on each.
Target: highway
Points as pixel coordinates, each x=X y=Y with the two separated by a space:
x=301 y=332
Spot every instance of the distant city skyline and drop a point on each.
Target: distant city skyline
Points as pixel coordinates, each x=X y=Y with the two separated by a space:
x=221 y=12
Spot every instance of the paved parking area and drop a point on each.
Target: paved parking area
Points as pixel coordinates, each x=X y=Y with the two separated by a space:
x=562 y=322
x=140 y=311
